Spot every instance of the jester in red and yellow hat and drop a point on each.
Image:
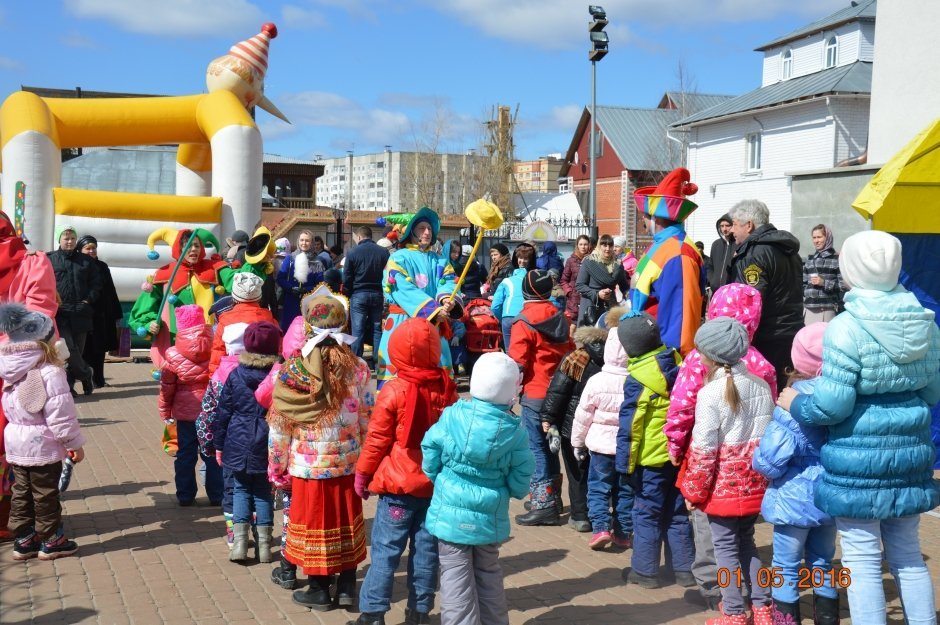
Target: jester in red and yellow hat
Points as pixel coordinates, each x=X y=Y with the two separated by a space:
x=671 y=275
x=194 y=277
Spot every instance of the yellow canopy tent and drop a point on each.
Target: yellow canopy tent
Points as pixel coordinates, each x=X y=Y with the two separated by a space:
x=904 y=196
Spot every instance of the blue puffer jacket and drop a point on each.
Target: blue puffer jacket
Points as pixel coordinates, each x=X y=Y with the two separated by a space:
x=508 y=300
x=478 y=456
x=880 y=376
x=789 y=455
x=240 y=429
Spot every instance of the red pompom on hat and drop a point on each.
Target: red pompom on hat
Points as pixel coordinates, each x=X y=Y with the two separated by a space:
x=668 y=199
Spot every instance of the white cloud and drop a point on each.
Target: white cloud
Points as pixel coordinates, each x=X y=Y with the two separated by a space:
x=301 y=18
x=78 y=40
x=6 y=63
x=412 y=101
x=562 y=24
x=173 y=18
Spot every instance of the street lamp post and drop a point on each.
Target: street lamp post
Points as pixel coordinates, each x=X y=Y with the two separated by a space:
x=599 y=42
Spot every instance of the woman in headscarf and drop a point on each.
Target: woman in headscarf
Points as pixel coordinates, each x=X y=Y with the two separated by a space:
x=823 y=288
x=418 y=283
x=106 y=314
x=299 y=274
x=25 y=277
x=500 y=268
x=569 y=277
x=600 y=275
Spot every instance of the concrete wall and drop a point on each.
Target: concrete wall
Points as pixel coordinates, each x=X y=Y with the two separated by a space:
x=905 y=83
x=826 y=196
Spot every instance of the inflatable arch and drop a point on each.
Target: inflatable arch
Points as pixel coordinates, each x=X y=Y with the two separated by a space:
x=218 y=170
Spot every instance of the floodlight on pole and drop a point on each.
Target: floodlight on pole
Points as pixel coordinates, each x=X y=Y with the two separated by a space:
x=599 y=43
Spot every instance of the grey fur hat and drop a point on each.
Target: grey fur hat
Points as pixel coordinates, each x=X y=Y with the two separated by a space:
x=21 y=324
x=722 y=340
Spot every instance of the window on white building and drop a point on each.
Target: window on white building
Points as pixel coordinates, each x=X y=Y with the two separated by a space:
x=753 y=151
x=787 y=64
x=832 y=51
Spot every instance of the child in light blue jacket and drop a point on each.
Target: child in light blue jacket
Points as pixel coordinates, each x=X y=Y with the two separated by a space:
x=789 y=456
x=478 y=457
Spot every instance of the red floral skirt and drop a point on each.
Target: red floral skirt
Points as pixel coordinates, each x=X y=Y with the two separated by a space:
x=326 y=531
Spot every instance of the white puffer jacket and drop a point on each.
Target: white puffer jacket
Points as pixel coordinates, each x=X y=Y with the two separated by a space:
x=597 y=417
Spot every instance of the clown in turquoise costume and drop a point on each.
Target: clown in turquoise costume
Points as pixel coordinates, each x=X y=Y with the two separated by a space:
x=418 y=283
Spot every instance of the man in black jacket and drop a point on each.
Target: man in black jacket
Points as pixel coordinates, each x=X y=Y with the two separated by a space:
x=362 y=280
x=769 y=260
x=722 y=251
x=79 y=285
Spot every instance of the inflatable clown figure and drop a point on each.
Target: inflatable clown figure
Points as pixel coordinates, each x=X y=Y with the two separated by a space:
x=194 y=277
x=671 y=275
x=418 y=282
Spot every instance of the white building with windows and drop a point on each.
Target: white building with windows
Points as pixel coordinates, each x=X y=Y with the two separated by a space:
x=810 y=112
x=393 y=181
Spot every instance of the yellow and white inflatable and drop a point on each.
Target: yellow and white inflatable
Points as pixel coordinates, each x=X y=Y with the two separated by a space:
x=218 y=171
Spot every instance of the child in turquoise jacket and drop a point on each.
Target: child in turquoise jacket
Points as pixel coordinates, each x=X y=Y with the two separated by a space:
x=478 y=457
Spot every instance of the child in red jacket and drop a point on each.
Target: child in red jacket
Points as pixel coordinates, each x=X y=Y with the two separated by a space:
x=246 y=291
x=538 y=341
x=184 y=377
x=390 y=465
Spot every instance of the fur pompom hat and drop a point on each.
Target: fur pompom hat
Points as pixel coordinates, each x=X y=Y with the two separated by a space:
x=189 y=316
x=21 y=324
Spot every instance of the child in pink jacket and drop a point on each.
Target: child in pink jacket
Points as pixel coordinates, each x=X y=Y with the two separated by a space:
x=42 y=429
x=742 y=303
x=595 y=426
x=184 y=376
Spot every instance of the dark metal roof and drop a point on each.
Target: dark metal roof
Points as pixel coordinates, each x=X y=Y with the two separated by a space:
x=854 y=78
x=859 y=10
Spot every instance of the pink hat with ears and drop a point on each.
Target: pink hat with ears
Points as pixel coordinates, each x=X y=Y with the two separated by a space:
x=808 y=348
x=189 y=316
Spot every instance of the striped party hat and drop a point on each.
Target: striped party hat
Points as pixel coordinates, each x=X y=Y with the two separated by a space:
x=254 y=51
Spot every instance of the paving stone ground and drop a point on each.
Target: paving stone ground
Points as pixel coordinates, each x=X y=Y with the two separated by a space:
x=145 y=560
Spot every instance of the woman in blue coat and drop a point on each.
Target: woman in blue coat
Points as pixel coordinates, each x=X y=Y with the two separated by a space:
x=880 y=377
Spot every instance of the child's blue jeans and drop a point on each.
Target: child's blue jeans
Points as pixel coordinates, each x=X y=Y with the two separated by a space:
x=399 y=521
x=793 y=545
x=184 y=465
x=605 y=491
x=252 y=490
x=862 y=541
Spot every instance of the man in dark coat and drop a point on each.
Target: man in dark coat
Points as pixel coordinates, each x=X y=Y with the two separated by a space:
x=769 y=260
x=362 y=281
x=79 y=285
x=721 y=253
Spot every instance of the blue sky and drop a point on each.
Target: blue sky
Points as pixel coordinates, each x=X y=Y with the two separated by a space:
x=361 y=74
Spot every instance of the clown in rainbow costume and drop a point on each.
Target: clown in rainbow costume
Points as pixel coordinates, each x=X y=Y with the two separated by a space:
x=418 y=283
x=198 y=280
x=671 y=274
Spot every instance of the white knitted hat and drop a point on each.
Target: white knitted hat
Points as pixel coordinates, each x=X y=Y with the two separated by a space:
x=871 y=260
x=246 y=287
x=496 y=379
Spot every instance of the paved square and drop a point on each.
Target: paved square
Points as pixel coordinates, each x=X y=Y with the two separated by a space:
x=143 y=559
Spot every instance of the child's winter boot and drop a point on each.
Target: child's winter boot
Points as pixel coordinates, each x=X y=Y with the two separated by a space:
x=728 y=619
x=317 y=596
x=346 y=588
x=58 y=546
x=557 y=482
x=285 y=575
x=763 y=614
x=239 y=552
x=786 y=613
x=413 y=617
x=26 y=545
x=825 y=610
x=229 y=529
x=543 y=510
x=263 y=546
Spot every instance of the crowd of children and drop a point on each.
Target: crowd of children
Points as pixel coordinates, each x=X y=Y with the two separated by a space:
x=647 y=439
